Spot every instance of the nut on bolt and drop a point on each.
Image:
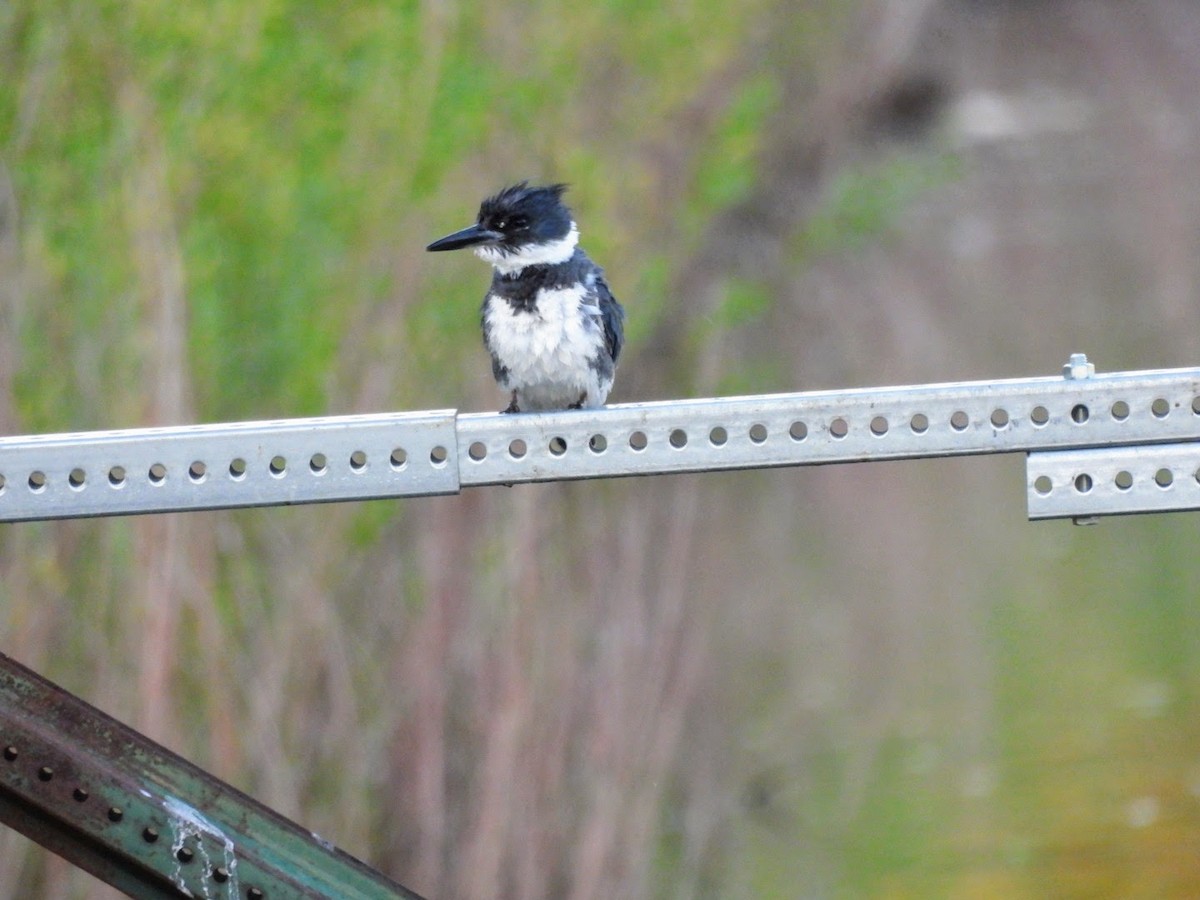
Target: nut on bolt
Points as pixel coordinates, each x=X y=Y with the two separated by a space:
x=1078 y=367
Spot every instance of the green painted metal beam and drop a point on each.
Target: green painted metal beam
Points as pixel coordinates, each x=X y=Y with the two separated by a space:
x=147 y=821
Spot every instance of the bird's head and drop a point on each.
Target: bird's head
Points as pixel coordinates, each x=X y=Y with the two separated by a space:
x=518 y=227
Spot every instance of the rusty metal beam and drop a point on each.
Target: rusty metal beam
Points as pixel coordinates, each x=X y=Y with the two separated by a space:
x=146 y=821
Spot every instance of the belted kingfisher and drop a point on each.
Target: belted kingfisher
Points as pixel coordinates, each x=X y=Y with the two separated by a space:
x=550 y=322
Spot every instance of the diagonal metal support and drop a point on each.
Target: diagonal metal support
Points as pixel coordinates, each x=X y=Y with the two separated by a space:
x=146 y=821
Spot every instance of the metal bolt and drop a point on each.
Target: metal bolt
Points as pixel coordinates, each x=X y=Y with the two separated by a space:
x=1078 y=367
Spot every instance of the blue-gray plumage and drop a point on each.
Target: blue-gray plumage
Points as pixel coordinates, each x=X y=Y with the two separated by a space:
x=550 y=322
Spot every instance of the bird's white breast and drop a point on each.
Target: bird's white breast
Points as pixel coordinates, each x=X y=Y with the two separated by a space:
x=549 y=351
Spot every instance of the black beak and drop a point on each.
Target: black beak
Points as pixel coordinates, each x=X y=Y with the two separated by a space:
x=468 y=237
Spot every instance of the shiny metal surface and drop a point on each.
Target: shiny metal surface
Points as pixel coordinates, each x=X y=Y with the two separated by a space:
x=952 y=419
x=441 y=451
x=218 y=466
x=1113 y=481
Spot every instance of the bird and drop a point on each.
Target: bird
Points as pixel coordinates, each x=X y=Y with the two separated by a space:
x=550 y=322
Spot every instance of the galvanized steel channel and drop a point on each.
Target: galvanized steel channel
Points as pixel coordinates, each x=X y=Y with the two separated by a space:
x=153 y=825
x=1105 y=481
x=441 y=451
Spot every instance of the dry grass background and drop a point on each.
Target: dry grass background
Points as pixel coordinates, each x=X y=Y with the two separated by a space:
x=853 y=681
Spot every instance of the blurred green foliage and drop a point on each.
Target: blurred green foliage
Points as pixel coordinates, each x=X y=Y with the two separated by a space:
x=289 y=161
x=862 y=203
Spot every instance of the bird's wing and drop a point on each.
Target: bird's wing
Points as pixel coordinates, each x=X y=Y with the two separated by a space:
x=612 y=317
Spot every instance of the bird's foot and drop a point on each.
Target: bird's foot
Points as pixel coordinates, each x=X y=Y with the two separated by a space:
x=512 y=405
x=578 y=404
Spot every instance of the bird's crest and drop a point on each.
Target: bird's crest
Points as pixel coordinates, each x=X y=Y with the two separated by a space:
x=521 y=195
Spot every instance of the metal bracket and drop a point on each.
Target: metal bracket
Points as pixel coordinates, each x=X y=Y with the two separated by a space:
x=1081 y=484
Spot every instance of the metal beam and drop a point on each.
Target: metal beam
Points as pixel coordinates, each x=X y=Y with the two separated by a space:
x=441 y=451
x=934 y=420
x=1114 y=480
x=142 y=470
x=146 y=821
x=153 y=825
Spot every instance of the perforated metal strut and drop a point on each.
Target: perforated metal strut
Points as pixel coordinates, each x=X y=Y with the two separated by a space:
x=111 y=801
x=442 y=451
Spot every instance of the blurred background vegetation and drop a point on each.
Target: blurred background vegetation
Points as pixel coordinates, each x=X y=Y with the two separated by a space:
x=855 y=681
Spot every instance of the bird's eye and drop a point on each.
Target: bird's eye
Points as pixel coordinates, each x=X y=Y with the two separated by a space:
x=501 y=224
